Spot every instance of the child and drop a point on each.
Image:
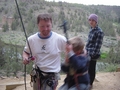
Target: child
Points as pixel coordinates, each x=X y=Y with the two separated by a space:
x=76 y=66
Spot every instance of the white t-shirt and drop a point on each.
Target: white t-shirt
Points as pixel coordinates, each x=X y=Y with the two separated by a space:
x=47 y=52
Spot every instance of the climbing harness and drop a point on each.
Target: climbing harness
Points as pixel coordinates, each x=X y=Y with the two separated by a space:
x=43 y=79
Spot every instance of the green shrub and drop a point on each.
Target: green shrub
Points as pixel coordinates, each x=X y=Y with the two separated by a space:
x=104 y=55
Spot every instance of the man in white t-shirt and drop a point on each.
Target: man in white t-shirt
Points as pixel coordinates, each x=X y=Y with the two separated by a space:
x=46 y=47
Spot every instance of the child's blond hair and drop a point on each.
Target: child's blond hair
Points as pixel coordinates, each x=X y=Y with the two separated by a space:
x=78 y=43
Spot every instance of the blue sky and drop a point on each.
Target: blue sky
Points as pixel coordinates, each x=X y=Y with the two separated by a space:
x=90 y=2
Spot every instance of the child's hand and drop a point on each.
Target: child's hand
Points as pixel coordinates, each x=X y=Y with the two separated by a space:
x=68 y=48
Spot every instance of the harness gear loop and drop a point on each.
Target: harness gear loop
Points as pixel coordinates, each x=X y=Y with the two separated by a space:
x=33 y=76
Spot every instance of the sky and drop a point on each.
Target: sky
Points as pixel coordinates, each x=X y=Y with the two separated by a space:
x=92 y=2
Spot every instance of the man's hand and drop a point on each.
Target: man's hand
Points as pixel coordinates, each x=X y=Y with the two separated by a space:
x=25 y=60
x=69 y=48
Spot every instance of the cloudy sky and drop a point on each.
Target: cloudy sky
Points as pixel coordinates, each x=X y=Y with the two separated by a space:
x=90 y=2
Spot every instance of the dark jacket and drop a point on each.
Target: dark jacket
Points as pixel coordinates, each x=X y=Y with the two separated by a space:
x=79 y=64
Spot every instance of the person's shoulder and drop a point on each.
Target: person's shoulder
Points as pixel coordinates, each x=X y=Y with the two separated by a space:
x=85 y=57
x=81 y=57
x=33 y=36
x=99 y=29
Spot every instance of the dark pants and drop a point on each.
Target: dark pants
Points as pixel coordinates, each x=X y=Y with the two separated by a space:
x=92 y=71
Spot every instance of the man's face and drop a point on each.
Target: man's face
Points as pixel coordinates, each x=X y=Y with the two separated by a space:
x=45 y=27
x=92 y=23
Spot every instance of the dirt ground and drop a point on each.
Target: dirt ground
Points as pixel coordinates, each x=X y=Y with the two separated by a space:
x=104 y=81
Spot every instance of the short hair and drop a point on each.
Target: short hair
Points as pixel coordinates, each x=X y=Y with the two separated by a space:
x=78 y=43
x=45 y=17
